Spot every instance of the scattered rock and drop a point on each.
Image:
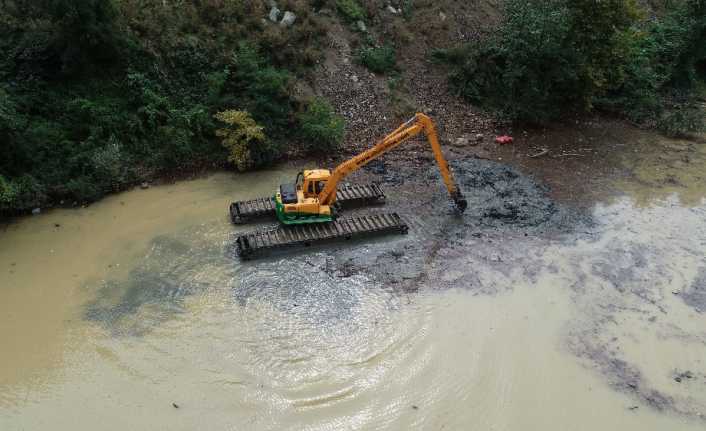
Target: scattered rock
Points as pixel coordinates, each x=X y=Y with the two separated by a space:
x=442 y=16
x=461 y=142
x=679 y=377
x=354 y=78
x=144 y=186
x=36 y=211
x=288 y=19
x=274 y=14
x=361 y=26
x=480 y=137
x=392 y=9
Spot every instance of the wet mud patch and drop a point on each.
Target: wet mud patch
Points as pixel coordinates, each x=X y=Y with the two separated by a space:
x=308 y=286
x=695 y=296
x=509 y=221
x=499 y=198
x=174 y=268
x=635 y=282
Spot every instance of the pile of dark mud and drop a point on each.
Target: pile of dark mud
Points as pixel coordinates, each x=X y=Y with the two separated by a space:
x=504 y=207
x=499 y=197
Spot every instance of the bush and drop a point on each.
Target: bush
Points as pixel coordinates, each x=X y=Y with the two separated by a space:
x=265 y=89
x=321 y=129
x=378 y=59
x=26 y=193
x=683 y=117
x=85 y=32
x=7 y=193
x=662 y=71
x=350 y=10
x=243 y=138
x=549 y=57
x=554 y=57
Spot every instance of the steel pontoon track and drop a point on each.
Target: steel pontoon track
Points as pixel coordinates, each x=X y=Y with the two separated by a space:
x=254 y=244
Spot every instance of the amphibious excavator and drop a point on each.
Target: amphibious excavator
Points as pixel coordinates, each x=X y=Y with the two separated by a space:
x=307 y=208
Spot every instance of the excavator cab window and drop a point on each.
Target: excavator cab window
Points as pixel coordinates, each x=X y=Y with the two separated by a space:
x=320 y=186
x=310 y=190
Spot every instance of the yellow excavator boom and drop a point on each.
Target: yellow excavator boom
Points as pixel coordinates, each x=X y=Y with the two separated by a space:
x=416 y=125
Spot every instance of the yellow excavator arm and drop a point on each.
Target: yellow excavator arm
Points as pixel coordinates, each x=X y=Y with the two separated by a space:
x=416 y=125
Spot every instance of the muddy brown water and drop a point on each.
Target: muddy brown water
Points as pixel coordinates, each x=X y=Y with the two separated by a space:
x=134 y=314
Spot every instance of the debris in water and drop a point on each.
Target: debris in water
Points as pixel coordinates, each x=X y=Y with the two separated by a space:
x=175 y=405
x=679 y=377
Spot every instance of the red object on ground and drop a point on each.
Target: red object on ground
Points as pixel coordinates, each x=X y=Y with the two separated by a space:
x=503 y=140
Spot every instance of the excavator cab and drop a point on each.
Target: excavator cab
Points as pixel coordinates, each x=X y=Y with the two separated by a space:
x=313 y=182
x=299 y=202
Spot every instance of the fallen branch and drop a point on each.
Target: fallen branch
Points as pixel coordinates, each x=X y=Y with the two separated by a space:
x=569 y=155
x=544 y=151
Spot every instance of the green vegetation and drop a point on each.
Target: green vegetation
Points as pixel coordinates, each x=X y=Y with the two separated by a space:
x=551 y=57
x=96 y=95
x=400 y=103
x=380 y=59
x=350 y=10
x=407 y=7
x=321 y=128
x=242 y=137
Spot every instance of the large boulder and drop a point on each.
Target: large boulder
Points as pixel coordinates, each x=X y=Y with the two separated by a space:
x=288 y=19
x=274 y=14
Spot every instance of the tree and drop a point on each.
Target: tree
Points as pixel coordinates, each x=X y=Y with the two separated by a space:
x=549 y=57
x=243 y=138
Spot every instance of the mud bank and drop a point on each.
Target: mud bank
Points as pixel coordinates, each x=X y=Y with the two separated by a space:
x=504 y=207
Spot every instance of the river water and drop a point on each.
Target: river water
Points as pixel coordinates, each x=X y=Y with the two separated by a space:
x=133 y=314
